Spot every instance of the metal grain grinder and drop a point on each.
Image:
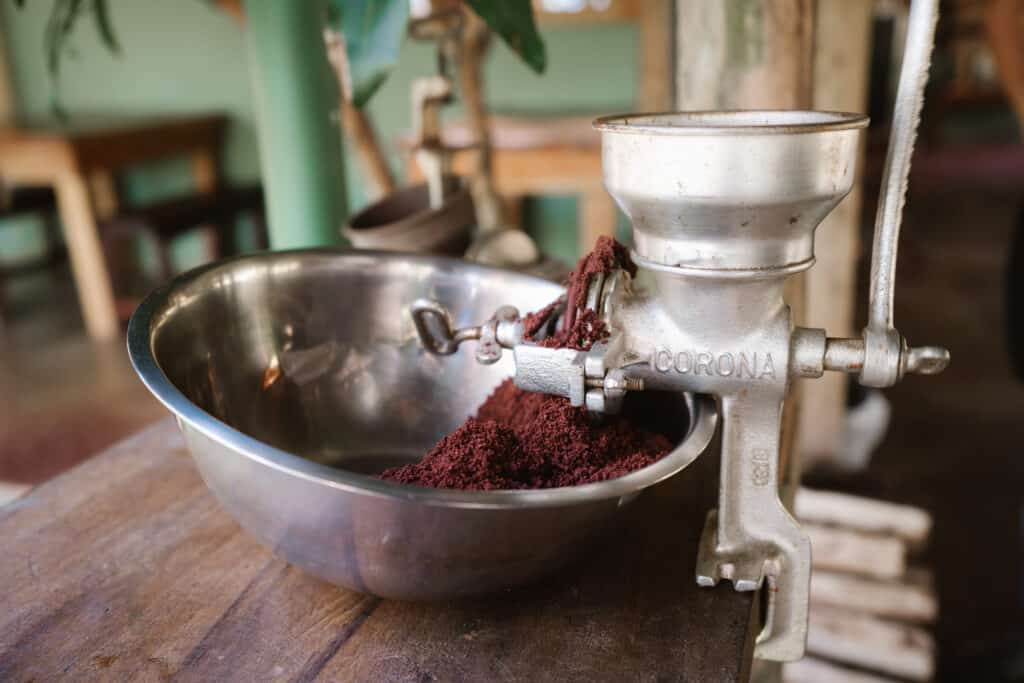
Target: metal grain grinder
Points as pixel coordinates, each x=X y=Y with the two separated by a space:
x=724 y=206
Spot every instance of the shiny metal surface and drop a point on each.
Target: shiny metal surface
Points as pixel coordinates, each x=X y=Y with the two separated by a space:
x=724 y=206
x=886 y=355
x=736 y=192
x=295 y=375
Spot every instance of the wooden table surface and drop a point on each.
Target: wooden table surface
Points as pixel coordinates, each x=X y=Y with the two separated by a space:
x=125 y=568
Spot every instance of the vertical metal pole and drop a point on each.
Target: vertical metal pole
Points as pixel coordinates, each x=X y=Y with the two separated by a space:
x=299 y=134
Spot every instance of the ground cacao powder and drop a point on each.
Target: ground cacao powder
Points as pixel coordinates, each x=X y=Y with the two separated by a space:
x=525 y=440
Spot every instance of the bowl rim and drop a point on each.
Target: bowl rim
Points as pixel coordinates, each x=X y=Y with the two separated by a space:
x=140 y=336
x=731 y=122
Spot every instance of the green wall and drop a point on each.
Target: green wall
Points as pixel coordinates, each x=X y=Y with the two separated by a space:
x=185 y=56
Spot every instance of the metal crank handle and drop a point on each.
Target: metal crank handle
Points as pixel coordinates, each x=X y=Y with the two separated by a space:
x=885 y=353
x=438 y=336
x=813 y=353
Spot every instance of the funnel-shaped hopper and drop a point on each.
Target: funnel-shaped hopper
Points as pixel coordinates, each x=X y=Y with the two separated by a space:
x=729 y=193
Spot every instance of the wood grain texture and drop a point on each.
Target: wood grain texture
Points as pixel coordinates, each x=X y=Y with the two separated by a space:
x=854 y=552
x=814 y=670
x=874 y=644
x=907 y=522
x=901 y=600
x=125 y=568
x=744 y=54
x=655 y=81
x=842 y=53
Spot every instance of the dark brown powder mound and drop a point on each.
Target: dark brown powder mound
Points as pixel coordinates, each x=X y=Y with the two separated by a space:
x=526 y=440
x=587 y=328
x=607 y=255
x=580 y=327
x=534 y=324
x=521 y=439
x=481 y=454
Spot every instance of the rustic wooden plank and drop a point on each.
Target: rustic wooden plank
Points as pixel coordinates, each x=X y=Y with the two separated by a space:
x=842 y=41
x=814 y=670
x=912 y=524
x=94 y=590
x=655 y=87
x=744 y=55
x=868 y=642
x=892 y=599
x=843 y=550
x=598 y=216
x=125 y=568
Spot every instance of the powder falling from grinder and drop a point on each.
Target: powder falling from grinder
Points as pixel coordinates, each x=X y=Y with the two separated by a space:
x=525 y=440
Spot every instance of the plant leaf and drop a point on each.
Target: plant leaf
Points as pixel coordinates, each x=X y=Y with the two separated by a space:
x=103 y=24
x=373 y=31
x=60 y=24
x=513 y=21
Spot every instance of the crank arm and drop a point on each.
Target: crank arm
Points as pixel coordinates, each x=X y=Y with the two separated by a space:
x=751 y=538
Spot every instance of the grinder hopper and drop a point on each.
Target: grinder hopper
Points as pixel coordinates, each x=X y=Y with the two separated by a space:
x=737 y=192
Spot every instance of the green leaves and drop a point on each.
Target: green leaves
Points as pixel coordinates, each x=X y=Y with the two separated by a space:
x=63 y=19
x=61 y=23
x=513 y=21
x=103 y=24
x=373 y=31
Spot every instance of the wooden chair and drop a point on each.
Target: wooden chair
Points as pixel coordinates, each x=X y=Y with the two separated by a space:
x=18 y=201
x=159 y=223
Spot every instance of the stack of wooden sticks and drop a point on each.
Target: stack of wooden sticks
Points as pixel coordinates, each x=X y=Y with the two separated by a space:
x=870 y=606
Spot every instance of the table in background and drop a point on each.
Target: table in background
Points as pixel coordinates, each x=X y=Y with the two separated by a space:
x=79 y=159
x=125 y=568
x=540 y=156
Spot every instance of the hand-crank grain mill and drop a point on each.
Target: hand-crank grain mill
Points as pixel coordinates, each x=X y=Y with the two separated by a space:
x=724 y=206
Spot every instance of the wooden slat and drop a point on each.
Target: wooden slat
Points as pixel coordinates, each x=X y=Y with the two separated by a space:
x=598 y=216
x=744 y=55
x=890 y=599
x=814 y=670
x=655 y=89
x=843 y=550
x=909 y=523
x=842 y=42
x=125 y=568
x=878 y=645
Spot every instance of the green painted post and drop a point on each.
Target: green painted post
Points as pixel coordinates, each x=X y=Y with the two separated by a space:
x=299 y=134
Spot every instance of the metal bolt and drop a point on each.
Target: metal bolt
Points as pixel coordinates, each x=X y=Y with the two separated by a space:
x=634 y=384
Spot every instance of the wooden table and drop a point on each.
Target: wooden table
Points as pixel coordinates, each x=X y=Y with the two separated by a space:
x=541 y=156
x=79 y=160
x=125 y=568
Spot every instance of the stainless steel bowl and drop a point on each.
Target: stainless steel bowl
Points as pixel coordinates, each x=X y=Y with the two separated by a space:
x=297 y=375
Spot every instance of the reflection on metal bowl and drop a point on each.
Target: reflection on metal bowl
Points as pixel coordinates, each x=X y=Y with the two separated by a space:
x=297 y=375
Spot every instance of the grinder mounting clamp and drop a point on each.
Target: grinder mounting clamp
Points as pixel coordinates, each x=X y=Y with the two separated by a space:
x=724 y=206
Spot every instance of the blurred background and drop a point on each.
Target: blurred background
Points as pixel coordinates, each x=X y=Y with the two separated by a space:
x=145 y=160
